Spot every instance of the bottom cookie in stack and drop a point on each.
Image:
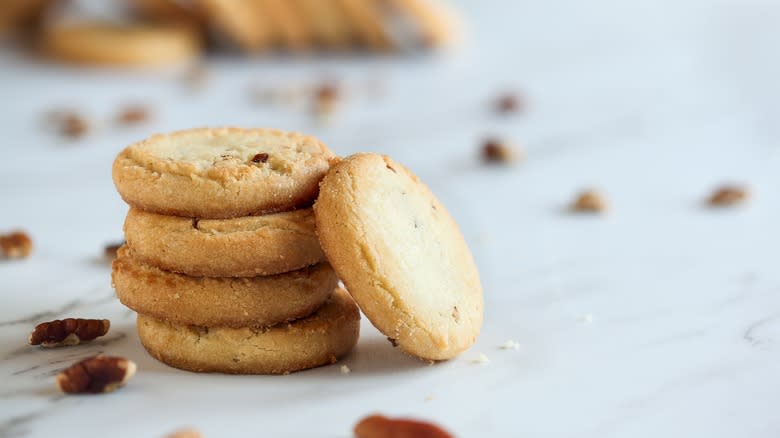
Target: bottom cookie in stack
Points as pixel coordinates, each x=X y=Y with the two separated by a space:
x=272 y=324
x=319 y=339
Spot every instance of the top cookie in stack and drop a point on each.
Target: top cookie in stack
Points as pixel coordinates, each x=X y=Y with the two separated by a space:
x=221 y=249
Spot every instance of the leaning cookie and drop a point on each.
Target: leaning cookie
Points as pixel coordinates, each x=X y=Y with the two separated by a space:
x=318 y=340
x=242 y=247
x=222 y=172
x=108 y=44
x=401 y=256
x=229 y=302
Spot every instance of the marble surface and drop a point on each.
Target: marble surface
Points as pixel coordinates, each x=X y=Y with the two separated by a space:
x=661 y=319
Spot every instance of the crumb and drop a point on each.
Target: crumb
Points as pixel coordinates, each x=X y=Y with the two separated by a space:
x=326 y=97
x=345 y=369
x=509 y=103
x=589 y=201
x=728 y=196
x=15 y=245
x=429 y=398
x=73 y=125
x=481 y=358
x=587 y=319
x=134 y=114
x=497 y=151
x=110 y=250
x=510 y=345
x=185 y=433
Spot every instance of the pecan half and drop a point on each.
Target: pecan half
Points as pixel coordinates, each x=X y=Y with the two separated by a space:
x=589 y=201
x=15 y=245
x=96 y=375
x=728 y=196
x=71 y=331
x=378 y=426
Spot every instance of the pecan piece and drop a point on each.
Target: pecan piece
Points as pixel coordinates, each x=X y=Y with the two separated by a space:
x=15 y=245
x=260 y=158
x=589 y=201
x=497 y=151
x=73 y=125
x=728 y=196
x=378 y=426
x=70 y=331
x=133 y=114
x=95 y=375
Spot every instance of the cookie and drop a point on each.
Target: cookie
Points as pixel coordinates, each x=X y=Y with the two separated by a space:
x=108 y=44
x=328 y=23
x=222 y=172
x=18 y=15
x=401 y=256
x=230 y=302
x=242 y=247
x=242 y=22
x=366 y=17
x=319 y=339
x=167 y=11
x=289 y=26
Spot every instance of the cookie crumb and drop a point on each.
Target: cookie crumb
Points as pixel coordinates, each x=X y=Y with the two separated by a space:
x=73 y=125
x=326 y=97
x=428 y=398
x=589 y=201
x=15 y=245
x=509 y=103
x=588 y=318
x=185 y=433
x=109 y=251
x=481 y=358
x=495 y=151
x=729 y=196
x=345 y=369
x=510 y=345
x=133 y=114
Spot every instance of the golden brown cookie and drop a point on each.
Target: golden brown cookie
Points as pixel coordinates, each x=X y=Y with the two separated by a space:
x=222 y=172
x=168 y=11
x=366 y=17
x=320 y=339
x=108 y=44
x=328 y=23
x=242 y=247
x=400 y=255
x=289 y=25
x=230 y=302
x=243 y=22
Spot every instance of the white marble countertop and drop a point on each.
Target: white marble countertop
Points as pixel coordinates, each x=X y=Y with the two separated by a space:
x=661 y=319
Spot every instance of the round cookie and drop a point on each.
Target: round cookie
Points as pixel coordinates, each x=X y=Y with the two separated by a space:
x=228 y=302
x=222 y=172
x=109 y=44
x=242 y=247
x=401 y=256
x=320 y=339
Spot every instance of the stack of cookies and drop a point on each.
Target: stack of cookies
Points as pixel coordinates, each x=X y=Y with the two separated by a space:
x=222 y=262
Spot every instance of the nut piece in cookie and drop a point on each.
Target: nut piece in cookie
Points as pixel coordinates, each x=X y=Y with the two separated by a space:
x=70 y=331
x=96 y=375
x=15 y=245
x=401 y=256
x=589 y=201
x=729 y=196
x=379 y=426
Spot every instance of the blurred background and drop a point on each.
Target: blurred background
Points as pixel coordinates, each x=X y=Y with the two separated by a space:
x=634 y=317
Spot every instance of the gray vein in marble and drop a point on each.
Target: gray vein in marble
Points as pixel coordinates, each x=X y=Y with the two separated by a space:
x=750 y=334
